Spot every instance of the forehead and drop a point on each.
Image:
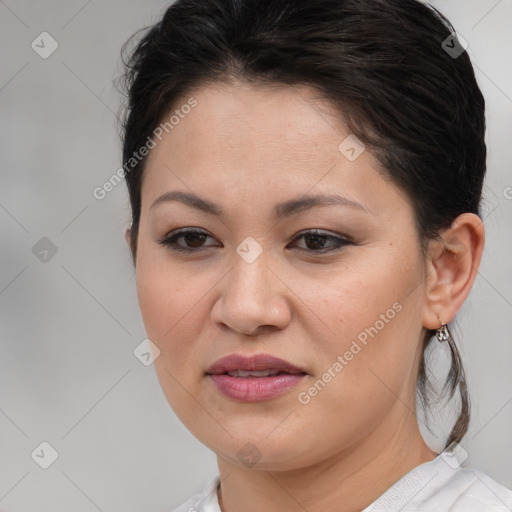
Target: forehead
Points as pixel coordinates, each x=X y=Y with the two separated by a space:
x=264 y=140
x=248 y=127
x=231 y=118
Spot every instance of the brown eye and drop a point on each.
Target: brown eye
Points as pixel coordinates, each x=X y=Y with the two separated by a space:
x=317 y=241
x=193 y=240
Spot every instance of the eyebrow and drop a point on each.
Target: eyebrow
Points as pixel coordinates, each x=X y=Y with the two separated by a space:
x=281 y=210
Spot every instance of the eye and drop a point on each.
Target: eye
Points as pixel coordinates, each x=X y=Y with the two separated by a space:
x=194 y=241
x=193 y=238
x=316 y=241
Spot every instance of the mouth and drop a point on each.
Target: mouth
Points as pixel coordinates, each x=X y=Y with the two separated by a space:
x=254 y=379
x=244 y=374
x=259 y=365
x=254 y=388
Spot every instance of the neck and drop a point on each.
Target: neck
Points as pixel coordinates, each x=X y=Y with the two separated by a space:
x=354 y=477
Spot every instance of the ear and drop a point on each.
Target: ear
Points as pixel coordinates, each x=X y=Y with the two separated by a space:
x=128 y=237
x=452 y=266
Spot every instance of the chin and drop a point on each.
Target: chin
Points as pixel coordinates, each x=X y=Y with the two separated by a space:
x=264 y=453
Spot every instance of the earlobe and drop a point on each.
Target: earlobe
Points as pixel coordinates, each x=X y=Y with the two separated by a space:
x=452 y=267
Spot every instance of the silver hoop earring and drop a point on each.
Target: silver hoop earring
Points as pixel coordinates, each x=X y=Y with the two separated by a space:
x=442 y=333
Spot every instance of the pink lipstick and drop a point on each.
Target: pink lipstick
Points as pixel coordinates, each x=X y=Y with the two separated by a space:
x=254 y=378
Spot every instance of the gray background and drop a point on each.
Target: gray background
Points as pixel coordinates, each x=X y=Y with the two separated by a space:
x=70 y=324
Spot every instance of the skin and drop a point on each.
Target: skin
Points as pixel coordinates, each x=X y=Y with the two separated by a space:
x=247 y=148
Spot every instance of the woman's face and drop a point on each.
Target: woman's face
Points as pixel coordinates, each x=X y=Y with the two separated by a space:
x=347 y=314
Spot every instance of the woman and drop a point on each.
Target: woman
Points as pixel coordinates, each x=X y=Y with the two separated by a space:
x=305 y=181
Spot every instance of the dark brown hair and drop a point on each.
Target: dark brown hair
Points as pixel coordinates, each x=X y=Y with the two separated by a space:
x=386 y=66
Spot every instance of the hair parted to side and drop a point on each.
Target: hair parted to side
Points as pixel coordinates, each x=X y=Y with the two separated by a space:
x=419 y=111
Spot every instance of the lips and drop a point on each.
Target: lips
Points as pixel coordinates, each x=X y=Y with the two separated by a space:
x=254 y=379
x=260 y=365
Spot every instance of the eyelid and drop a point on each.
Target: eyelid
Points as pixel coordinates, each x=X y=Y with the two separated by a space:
x=169 y=240
x=341 y=240
x=323 y=232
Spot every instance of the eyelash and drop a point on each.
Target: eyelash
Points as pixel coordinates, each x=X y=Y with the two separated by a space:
x=170 y=241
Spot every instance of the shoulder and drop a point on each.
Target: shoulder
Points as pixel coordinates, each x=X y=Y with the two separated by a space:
x=204 y=501
x=472 y=490
x=441 y=485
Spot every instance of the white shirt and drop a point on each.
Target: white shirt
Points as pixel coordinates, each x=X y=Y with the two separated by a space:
x=440 y=485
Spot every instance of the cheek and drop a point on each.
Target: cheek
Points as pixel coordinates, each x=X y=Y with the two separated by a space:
x=373 y=310
x=367 y=297
x=368 y=367
x=170 y=302
x=173 y=314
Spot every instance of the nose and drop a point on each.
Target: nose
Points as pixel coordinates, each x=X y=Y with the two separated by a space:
x=254 y=298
